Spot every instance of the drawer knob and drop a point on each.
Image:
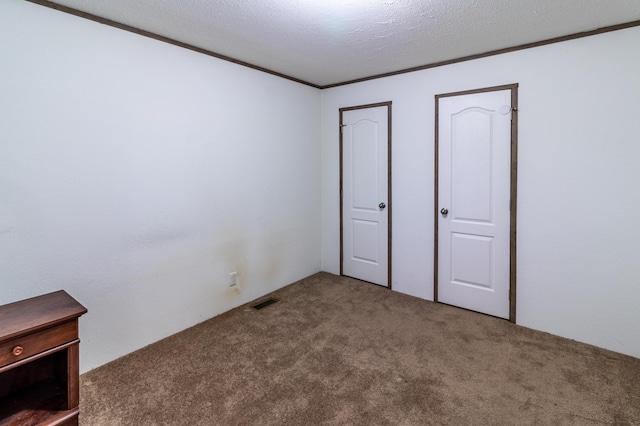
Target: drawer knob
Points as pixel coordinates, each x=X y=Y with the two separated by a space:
x=17 y=351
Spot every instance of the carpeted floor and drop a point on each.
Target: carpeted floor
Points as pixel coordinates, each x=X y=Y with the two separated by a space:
x=337 y=351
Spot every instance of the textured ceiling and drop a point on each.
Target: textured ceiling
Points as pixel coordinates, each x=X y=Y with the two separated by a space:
x=325 y=42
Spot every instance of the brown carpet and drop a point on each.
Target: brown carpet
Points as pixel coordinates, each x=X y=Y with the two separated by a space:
x=337 y=351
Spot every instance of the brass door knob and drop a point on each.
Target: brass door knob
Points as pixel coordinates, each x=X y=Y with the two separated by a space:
x=17 y=351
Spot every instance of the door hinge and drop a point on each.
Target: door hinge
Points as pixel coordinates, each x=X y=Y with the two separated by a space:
x=342 y=126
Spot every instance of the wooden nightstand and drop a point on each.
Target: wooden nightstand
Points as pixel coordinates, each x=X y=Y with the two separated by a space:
x=39 y=361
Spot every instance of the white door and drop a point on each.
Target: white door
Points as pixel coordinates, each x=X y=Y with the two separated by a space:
x=474 y=161
x=365 y=185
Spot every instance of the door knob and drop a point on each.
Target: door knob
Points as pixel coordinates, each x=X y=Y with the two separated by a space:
x=382 y=206
x=444 y=212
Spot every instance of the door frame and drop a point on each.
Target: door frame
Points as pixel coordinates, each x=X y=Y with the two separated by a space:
x=513 y=189
x=389 y=203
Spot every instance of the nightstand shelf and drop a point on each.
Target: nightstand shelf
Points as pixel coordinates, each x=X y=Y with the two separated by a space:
x=39 y=361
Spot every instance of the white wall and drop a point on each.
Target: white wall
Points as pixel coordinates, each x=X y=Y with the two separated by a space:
x=578 y=236
x=136 y=175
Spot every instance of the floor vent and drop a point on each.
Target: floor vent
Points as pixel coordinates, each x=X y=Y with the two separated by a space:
x=261 y=305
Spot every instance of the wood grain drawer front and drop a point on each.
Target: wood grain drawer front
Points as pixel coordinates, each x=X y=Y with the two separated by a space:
x=23 y=347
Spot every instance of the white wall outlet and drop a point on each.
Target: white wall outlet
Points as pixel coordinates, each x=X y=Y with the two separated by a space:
x=233 y=279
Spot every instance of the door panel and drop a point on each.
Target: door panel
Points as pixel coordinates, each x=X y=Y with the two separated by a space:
x=365 y=176
x=474 y=185
x=365 y=241
x=471 y=197
x=471 y=260
x=364 y=170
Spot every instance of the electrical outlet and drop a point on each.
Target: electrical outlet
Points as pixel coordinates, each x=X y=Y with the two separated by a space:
x=233 y=279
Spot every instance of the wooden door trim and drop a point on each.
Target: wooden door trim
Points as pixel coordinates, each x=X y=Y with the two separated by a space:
x=389 y=188
x=513 y=189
